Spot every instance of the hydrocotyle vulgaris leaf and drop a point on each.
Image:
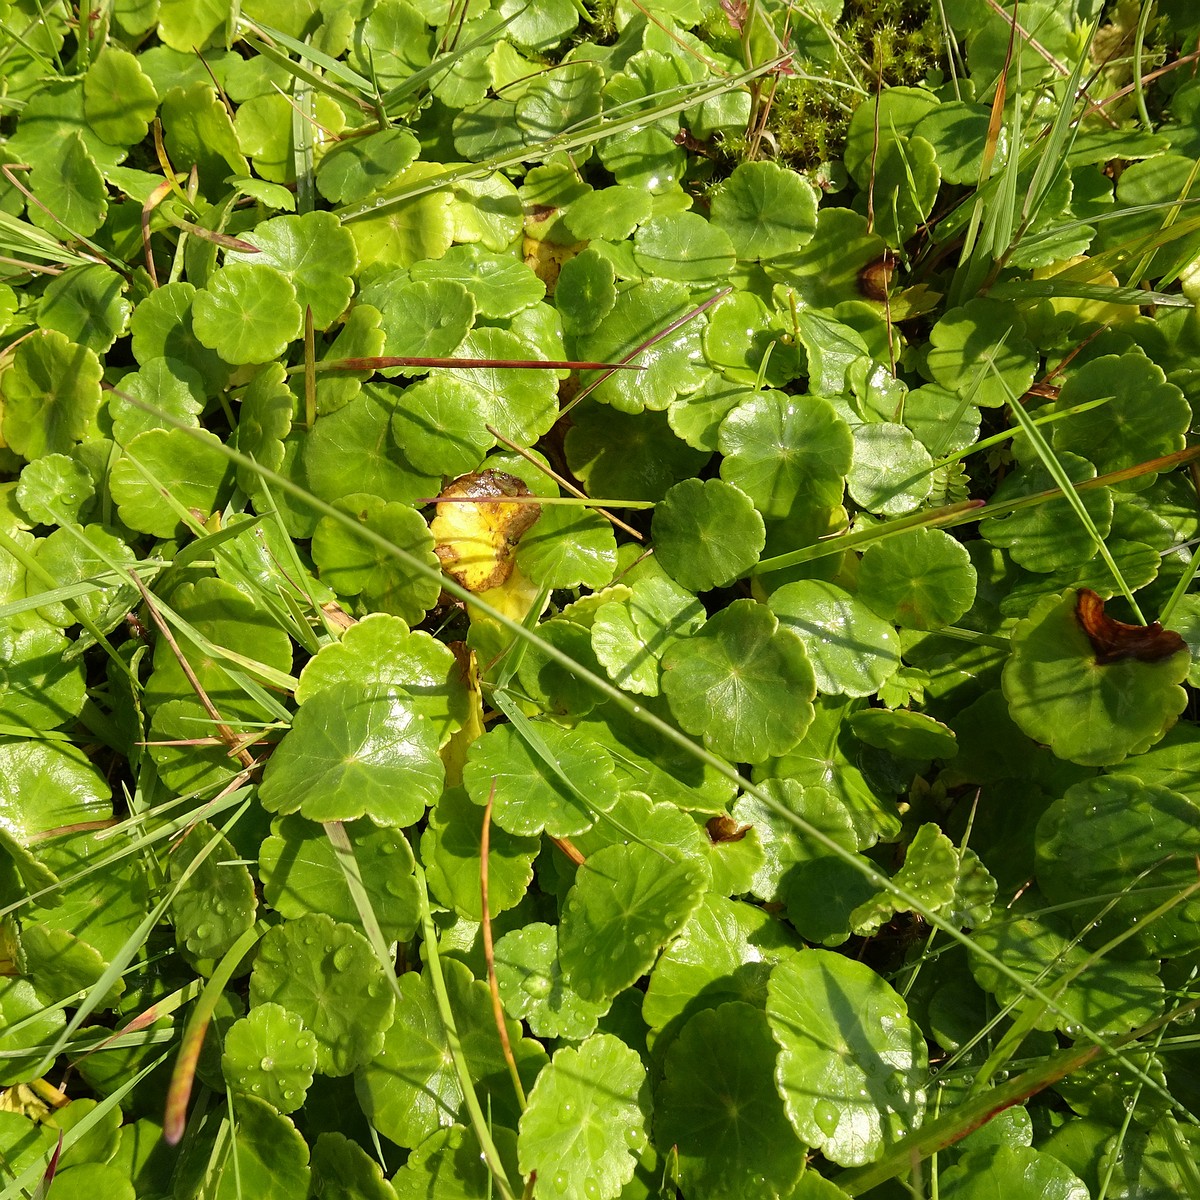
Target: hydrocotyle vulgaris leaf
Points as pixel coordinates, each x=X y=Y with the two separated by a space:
x=852 y=1063
x=852 y=651
x=269 y=1054
x=382 y=648
x=707 y=533
x=532 y=987
x=784 y=451
x=1091 y=703
x=410 y=1089
x=718 y=1104
x=356 y=750
x=586 y=1121
x=529 y=794
x=327 y=974
x=301 y=874
x=627 y=902
x=743 y=682
x=1115 y=828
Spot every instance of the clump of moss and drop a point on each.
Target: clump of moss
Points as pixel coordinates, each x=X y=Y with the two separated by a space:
x=888 y=42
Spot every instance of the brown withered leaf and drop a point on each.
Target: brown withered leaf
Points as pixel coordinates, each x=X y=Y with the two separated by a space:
x=1114 y=640
x=723 y=828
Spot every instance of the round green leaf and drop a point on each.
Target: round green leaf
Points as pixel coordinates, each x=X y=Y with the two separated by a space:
x=929 y=875
x=382 y=649
x=742 y=682
x=51 y=395
x=645 y=155
x=215 y=904
x=827 y=270
x=921 y=579
x=258 y=1152
x=532 y=986
x=904 y=184
x=187 y=467
x=448 y=1165
x=353 y=566
x=786 y=451
x=269 y=1054
x=88 y=305
x=958 y=132
x=355 y=750
x=904 y=734
x=248 y=313
x=55 y=489
x=162 y=328
x=408 y=231
x=264 y=420
x=343 y=1170
x=707 y=533
x=501 y=285
x=301 y=873
x=892 y=472
x=718 y=1105
x=39 y=687
x=767 y=210
x=71 y=556
x=1019 y=1172
x=520 y=405
x=163 y=384
x=229 y=620
x=1112 y=828
x=46 y=785
x=550 y=685
x=745 y=338
x=1145 y=418
x=450 y=851
x=356 y=167
x=439 y=427
x=627 y=902
x=351 y=452
x=562 y=796
x=674 y=364
x=119 y=101
x=69 y=187
x=314 y=253
x=611 y=213
x=1087 y=711
x=586 y=1121
x=724 y=953
x=782 y=843
x=60 y=965
x=411 y=1088
x=326 y=974
x=1049 y=536
x=980 y=351
x=684 y=246
x=585 y=292
x=851 y=1062
x=568 y=547
x=1110 y=994
x=852 y=651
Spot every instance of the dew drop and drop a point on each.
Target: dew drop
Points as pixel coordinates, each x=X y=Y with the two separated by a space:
x=591 y=1189
x=267 y=1063
x=826 y=1116
x=538 y=986
x=204 y=931
x=566 y=1111
x=561 y=1181
x=343 y=958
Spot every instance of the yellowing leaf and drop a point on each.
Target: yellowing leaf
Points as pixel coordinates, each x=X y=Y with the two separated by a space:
x=476 y=532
